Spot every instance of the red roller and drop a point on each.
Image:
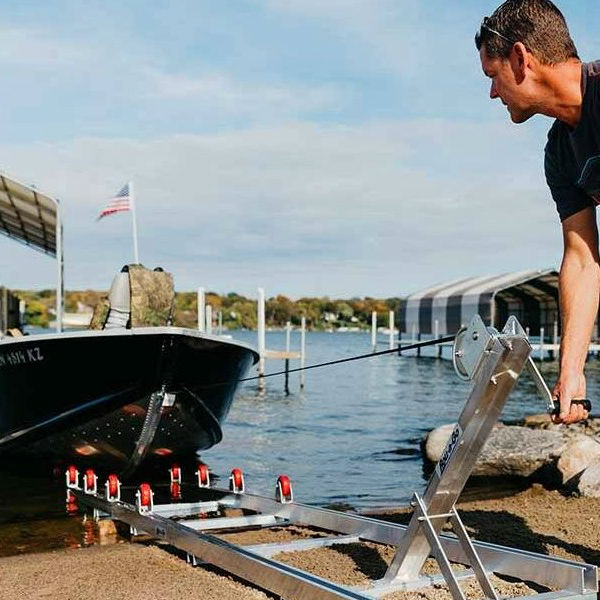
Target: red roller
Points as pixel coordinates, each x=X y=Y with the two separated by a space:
x=144 y=497
x=72 y=475
x=175 y=473
x=203 y=476
x=113 y=487
x=236 y=481
x=89 y=482
x=284 y=489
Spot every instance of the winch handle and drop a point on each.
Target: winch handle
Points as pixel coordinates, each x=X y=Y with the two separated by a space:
x=544 y=390
x=583 y=401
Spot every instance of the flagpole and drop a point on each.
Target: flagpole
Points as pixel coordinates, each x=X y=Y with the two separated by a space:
x=136 y=257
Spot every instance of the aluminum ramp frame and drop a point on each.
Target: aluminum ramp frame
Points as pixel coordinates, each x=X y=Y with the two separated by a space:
x=494 y=361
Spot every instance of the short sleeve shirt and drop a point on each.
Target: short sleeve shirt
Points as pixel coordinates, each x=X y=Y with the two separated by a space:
x=572 y=156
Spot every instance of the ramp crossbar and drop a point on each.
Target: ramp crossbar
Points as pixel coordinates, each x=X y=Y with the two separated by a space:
x=494 y=362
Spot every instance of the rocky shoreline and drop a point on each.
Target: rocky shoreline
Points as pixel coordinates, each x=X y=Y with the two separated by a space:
x=534 y=450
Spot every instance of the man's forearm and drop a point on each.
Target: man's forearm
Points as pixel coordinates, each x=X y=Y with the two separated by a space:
x=579 y=291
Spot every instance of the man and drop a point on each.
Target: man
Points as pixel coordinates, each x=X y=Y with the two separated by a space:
x=527 y=51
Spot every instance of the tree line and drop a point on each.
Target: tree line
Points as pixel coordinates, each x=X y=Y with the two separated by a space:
x=238 y=312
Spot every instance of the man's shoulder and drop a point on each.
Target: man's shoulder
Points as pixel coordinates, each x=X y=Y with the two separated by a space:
x=555 y=151
x=556 y=134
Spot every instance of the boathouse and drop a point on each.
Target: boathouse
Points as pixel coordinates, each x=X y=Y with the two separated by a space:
x=33 y=218
x=532 y=296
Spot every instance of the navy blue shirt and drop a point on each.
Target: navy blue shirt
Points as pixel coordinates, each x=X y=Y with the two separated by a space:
x=572 y=156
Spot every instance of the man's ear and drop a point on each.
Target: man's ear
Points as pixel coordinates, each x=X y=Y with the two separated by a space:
x=519 y=58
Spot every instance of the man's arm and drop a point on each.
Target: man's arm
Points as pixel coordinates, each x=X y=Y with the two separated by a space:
x=579 y=286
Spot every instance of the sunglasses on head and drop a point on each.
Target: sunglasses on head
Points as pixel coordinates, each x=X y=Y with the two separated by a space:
x=484 y=25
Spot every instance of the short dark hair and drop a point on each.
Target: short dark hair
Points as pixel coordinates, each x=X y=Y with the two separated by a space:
x=538 y=24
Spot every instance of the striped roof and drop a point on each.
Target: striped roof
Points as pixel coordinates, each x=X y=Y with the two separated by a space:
x=27 y=215
x=453 y=304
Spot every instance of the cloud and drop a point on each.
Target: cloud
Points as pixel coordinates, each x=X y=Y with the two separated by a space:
x=378 y=208
x=220 y=91
x=387 y=30
x=37 y=48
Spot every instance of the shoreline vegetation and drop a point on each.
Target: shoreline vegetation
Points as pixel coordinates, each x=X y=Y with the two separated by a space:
x=239 y=312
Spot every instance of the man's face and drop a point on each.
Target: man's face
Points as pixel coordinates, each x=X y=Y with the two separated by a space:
x=509 y=84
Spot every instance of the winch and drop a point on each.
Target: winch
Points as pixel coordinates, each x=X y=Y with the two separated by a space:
x=473 y=342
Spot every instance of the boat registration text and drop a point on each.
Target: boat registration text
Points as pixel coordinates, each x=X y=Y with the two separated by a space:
x=20 y=357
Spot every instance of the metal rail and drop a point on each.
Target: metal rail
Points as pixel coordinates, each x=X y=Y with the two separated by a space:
x=494 y=362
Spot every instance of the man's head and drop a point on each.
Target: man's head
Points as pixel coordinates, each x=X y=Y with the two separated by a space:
x=519 y=40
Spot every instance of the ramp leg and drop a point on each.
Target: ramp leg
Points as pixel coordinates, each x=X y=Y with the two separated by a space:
x=474 y=560
x=440 y=555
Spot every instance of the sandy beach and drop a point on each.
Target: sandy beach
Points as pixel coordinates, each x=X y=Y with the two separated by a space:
x=535 y=519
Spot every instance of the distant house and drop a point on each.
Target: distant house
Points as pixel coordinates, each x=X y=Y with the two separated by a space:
x=532 y=296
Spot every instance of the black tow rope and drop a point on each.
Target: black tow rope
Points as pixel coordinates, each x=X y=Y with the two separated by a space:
x=441 y=340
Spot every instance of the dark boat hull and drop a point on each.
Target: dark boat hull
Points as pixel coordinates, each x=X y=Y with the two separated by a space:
x=117 y=399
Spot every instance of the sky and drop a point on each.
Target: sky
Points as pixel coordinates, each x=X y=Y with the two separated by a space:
x=310 y=147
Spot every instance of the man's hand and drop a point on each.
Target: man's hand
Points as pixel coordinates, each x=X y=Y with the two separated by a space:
x=570 y=386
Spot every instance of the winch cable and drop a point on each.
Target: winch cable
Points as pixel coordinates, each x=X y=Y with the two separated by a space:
x=396 y=350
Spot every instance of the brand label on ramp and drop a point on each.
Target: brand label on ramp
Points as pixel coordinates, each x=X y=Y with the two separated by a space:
x=449 y=450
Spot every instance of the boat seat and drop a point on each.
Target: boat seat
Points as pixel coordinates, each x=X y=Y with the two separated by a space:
x=138 y=297
x=14 y=332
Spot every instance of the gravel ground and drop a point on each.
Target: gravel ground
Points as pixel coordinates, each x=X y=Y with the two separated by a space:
x=536 y=520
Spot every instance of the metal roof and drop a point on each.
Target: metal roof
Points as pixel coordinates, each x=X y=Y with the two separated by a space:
x=453 y=304
x=28 y=215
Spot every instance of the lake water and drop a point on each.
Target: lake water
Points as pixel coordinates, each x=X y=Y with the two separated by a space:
x=351 y=438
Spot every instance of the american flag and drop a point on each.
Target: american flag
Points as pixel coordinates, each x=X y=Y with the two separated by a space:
x=119 y=203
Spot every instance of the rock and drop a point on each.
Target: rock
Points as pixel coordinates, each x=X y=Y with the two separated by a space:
x=511 y=450
x=578 y=454
x=436 y=441
x=519 y=451
x=589 y=482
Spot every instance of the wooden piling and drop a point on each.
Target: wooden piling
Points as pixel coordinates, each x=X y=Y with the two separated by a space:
x=288 y=334
x=261 y=338
x=302 y=350
x=374 y=331
x=541 y=343
x=209 y=319
x=391 y=324
x=201 y=310
x=436 y=335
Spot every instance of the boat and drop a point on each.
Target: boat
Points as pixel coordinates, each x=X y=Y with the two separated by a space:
x=122 y=395
x=117 y=397
x=132 y=390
